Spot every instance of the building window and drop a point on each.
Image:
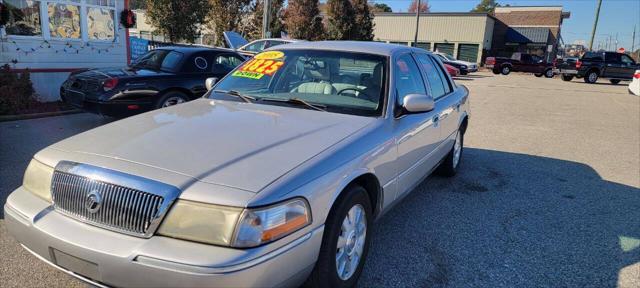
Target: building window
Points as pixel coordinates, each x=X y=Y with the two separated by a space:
x=24 y=18
x=64 y=20
x=101 y=23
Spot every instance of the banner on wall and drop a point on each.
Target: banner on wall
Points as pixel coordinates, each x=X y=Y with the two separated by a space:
x=138 y=47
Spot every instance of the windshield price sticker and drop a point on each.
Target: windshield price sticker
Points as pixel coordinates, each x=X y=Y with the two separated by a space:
x=256 y=68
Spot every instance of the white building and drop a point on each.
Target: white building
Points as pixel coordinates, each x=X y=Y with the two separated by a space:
x=52 y=38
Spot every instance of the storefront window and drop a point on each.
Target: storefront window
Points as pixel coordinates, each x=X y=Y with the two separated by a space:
x=24 y=18
x=64 y=20
x=101 y=23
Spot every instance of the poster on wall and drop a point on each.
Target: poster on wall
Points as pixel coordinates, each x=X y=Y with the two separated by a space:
x=138 y=47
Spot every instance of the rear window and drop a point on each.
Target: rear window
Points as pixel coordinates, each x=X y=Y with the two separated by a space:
x=592 y=56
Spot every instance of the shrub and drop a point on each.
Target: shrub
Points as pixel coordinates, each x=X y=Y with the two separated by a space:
x=16 y=91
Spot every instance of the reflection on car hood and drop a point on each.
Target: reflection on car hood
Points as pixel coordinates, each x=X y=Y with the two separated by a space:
x=119 y=72
x=240 y=145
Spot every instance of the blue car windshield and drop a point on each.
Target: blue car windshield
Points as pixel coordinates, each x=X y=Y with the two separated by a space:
x=342 y=82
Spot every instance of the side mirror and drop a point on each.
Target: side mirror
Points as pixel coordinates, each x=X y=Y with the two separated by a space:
x=417 y=103
x=210 y=82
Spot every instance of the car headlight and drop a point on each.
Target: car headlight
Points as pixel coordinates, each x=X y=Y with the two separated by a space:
x=463 y=67
x=37 y=179
x=235 y=227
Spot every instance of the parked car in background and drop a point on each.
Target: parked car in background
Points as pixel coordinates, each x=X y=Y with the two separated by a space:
x=163 y=77
x=566 y=67
x=634 y=86
x=520 y=62
x=257 y=46
x=453 y=71
x=274 y=178
x=464 y=66
x=594 y=65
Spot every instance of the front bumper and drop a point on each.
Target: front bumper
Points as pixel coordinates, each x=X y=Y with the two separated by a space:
x=102 y=257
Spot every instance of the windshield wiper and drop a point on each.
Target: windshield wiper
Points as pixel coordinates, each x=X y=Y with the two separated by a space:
x=234 y=93
x=297 y=101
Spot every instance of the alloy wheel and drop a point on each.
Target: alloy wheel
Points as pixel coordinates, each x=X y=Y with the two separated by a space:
x=172 y=101
x=457 y=151
x=351 y=241
x=593 y=77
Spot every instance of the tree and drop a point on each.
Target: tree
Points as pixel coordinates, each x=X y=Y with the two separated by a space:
x=302 y=20
x=363 y=21
x=487 y=6
x=176 y=19
x=340 y=20
x=254 y=29
x=424 y=6
x=226 y=15
x=380 y=7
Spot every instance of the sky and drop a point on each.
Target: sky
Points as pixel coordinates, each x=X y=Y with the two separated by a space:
x=617 y=17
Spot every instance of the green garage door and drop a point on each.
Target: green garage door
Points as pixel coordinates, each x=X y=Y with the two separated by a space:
x=424 y=45
x=444 y=48
x=468 y=52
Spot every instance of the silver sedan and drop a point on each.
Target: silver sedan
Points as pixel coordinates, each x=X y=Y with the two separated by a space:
x=274 y=178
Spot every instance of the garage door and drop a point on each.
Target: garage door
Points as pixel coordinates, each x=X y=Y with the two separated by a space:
x=424 y=45
x=444 y=48
x=468 y=52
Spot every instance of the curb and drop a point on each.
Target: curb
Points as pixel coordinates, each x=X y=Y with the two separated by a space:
x=7 y=118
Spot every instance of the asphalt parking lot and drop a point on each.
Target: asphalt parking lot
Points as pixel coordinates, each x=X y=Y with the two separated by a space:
x=548 y=194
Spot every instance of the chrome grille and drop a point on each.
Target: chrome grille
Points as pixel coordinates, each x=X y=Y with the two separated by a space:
x=120 y=208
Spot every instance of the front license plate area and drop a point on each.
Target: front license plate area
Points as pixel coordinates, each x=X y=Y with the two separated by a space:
x=76 y=265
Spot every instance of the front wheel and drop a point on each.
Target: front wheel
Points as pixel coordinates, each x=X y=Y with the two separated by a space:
x=345 y=242
x=566 y=77
x=171 y=98
x=449 y=167
x=614 y=81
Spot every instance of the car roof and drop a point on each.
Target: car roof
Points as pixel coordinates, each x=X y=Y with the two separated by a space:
x=193 y=49
x=369 y=47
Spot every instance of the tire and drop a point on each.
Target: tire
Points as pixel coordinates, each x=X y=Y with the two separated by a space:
x=325 y=273
x=614 y=81
x=567 y=77
x=591 y=77
x=495 y=72
x=537 y=74
x=549 y=73
x=171 y=98
x=505 y=70
x=449 y=167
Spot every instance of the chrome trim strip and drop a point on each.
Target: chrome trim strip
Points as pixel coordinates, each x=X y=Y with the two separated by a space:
x=69 y=272
x=204 y=270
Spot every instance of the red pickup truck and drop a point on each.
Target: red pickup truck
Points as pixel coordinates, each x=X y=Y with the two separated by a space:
x=520 y=62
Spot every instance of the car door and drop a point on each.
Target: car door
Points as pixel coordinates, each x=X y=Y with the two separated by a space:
x=441 y=89
x=628 y=67
x=417 y=135
x=613 y=67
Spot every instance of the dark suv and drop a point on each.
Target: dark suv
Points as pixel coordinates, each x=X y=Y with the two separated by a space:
x=593 y=65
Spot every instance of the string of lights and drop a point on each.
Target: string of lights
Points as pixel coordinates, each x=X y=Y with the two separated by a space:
x=67 y=48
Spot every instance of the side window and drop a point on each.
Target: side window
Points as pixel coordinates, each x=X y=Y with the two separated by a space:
x=448 y=88
x=526 y=58
x=612 y=57
x=434 y=76
x=407 y=77
x=256 y=47
x=224 y=63
x=626 y=59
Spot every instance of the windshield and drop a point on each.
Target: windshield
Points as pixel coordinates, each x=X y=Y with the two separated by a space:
x=341 y=82
x=448 y=57
x=166 y=60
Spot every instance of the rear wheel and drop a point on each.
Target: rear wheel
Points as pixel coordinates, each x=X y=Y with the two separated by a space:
x=614 y=81
x=495 y=71
x=345 y=242
x=449 y=167
x=171 y=98
x=549 y=73
x=566 y=77
x=505 y=70
x=591 y=77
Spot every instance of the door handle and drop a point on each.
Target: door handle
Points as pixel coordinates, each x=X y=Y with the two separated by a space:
x=436 y=120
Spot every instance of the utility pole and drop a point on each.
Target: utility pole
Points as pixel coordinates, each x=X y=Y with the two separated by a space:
x=266 y=9
x=415 y=37
x=595 y=24
x=633 y=40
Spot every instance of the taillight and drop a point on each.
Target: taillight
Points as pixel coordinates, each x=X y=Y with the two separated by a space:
x=578 y=64
x=109 y=84
x=490 y=61
x=637 y=75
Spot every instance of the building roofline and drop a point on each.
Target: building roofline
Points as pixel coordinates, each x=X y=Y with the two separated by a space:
x=467 y=14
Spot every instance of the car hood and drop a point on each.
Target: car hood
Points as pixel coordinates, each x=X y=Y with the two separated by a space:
x=234 y=144
x=117 y=72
